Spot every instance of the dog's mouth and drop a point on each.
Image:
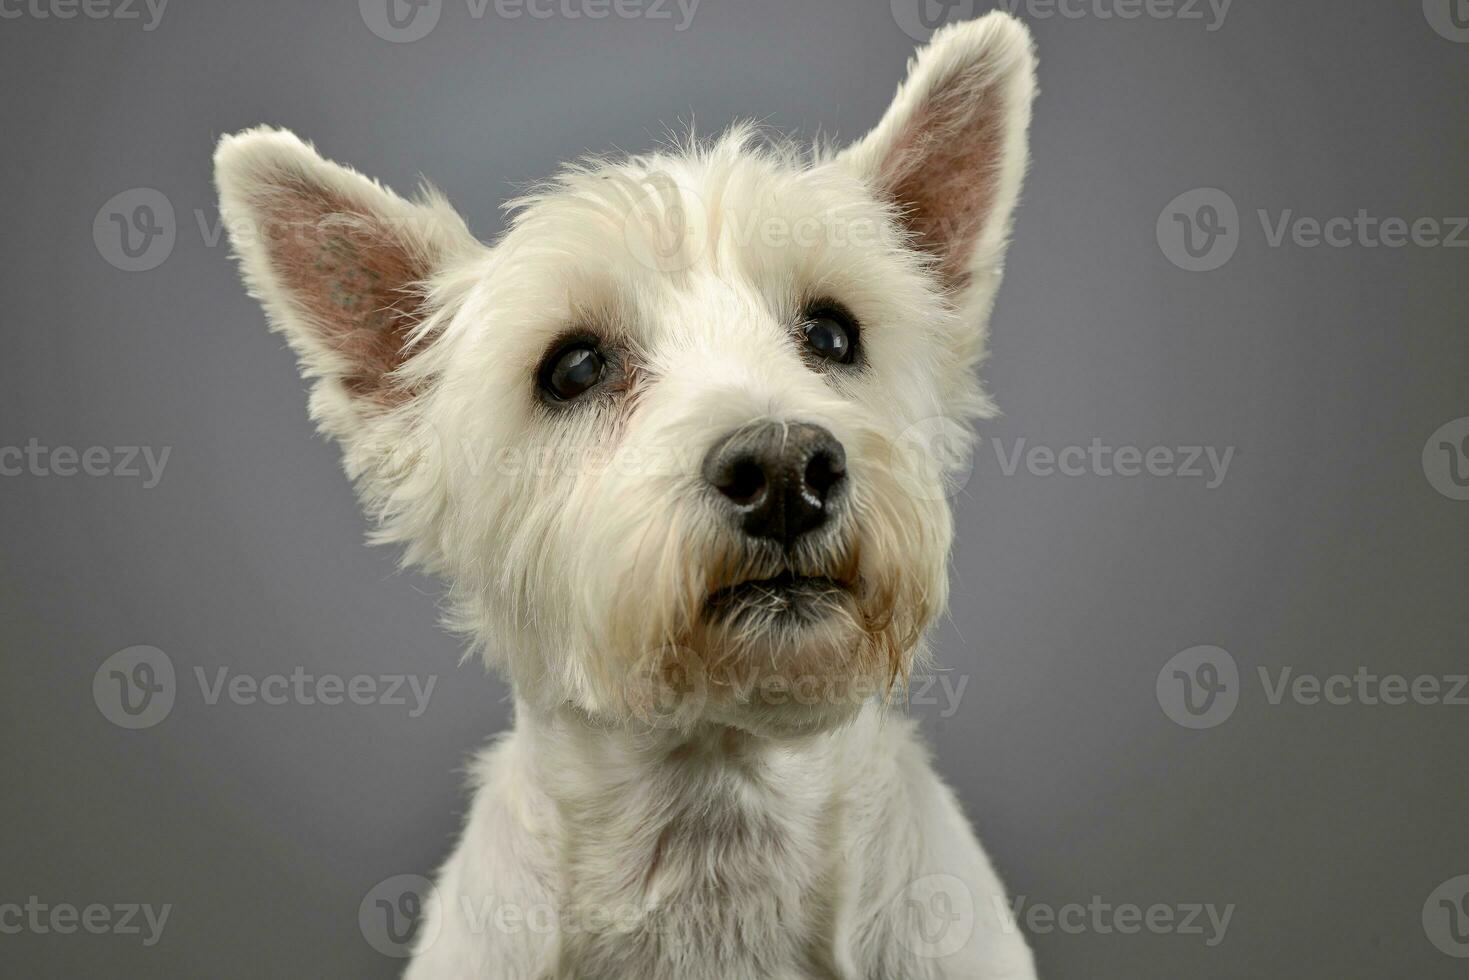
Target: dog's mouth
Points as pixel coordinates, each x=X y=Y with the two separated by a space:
x=783 y=597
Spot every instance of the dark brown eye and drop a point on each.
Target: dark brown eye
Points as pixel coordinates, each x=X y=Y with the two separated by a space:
x=832 y=335
x=572 y=371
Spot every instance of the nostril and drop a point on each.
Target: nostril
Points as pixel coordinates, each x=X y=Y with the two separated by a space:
x=823 y=472
x=746 y=482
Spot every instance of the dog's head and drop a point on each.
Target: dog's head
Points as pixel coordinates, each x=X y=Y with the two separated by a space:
x=660 y=438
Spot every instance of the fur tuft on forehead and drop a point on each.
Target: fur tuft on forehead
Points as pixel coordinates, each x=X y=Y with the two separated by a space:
x=701 y=205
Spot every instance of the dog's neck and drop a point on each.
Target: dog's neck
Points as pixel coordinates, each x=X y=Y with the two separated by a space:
x=704 y=834
x=663 y=799
x=610 y=774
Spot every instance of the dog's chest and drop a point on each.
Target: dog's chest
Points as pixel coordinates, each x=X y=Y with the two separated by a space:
x=721 y=881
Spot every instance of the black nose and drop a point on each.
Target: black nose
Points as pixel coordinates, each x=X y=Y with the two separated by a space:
x=780 y=477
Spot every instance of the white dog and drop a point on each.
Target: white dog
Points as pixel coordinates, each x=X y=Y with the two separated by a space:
x=657 y=442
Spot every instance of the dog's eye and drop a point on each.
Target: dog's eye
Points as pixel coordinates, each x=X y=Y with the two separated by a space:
x=832 y=334
x=572 y=371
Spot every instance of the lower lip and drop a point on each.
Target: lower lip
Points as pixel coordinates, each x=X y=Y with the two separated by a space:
x=784 y=595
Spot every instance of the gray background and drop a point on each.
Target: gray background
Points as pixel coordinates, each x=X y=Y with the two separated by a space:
x=1325 y=549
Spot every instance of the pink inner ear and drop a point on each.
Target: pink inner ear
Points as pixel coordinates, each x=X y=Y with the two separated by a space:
x=353 y=278
x=943 y=170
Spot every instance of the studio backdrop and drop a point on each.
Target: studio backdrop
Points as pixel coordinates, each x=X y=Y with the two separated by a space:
x=1202 y=683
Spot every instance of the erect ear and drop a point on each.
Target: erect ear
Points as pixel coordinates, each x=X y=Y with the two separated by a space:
x=951 y=151
x=341 y=264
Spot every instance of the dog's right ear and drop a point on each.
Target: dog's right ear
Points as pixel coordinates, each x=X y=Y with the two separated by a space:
x=341 y=265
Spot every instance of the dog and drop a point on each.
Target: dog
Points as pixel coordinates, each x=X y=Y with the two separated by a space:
x=653 y=441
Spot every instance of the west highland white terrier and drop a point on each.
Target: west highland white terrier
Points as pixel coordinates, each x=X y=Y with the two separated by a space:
x=659 y=441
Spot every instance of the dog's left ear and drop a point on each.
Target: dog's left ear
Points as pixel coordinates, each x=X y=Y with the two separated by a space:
x=951 y=151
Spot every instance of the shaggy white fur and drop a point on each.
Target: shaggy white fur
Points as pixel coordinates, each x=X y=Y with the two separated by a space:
x=684 y=795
